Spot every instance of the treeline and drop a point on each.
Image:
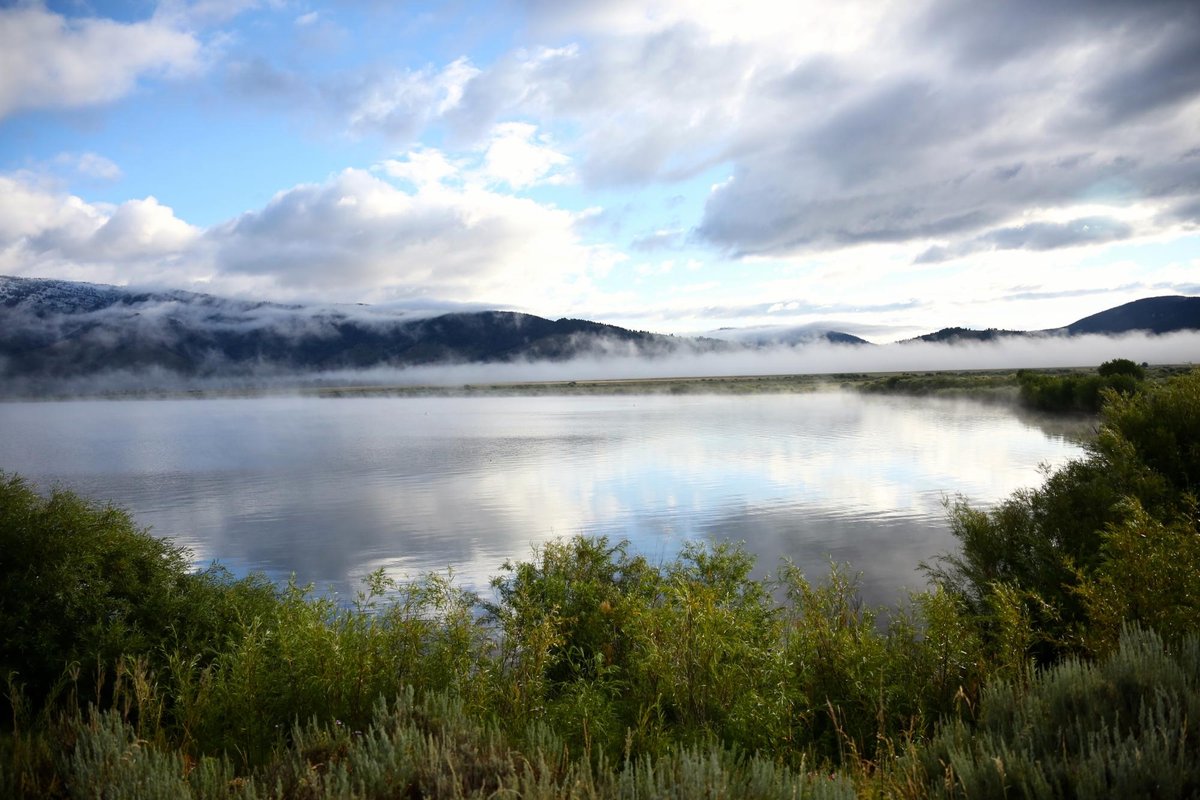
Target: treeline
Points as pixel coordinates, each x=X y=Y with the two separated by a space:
x=1056 y=656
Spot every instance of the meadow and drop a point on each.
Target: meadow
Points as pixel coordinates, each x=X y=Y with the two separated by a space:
x=1056 y=655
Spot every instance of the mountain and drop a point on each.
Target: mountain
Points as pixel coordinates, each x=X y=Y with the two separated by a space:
x=59 y=329
x=1155 y=314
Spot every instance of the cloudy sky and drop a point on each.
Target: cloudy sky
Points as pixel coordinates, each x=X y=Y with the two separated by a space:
x=679 y=167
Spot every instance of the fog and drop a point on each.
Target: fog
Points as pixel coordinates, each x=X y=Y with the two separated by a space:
x=818 y=358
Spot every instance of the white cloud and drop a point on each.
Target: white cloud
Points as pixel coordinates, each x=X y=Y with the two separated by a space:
x=400 y=103
x=354 y=237
x=421 y=167
x=89 y=165
x=49 y=61
x=47 y=232
x=868 y=122
x=517 y=156
x=357 y=236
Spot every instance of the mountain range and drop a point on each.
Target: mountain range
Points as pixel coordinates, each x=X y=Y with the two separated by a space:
x=1156 y=315
x=52 y=329
x=57 y=329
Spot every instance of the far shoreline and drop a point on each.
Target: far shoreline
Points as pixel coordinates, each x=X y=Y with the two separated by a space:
x=982 y=384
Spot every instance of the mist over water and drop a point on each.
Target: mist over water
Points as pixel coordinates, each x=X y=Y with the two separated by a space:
x=622 y=361
x=823 y=358
x=332 y=489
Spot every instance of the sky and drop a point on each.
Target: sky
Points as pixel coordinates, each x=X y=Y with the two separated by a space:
x=880 y=168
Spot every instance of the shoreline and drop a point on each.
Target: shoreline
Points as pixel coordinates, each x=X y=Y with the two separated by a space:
x=983 y=384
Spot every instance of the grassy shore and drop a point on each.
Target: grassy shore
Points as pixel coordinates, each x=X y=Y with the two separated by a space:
x=997 y=384
x=992 y=384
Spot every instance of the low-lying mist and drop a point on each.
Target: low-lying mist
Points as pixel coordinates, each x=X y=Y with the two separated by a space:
x=818 y=358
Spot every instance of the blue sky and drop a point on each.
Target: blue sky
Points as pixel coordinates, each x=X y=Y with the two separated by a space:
x=882 y=168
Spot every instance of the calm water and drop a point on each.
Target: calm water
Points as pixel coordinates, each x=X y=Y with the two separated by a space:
x=333 y=489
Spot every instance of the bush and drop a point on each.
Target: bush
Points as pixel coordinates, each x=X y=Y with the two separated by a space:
x=1122 y=366
x=1079 y=393
x=1047 y=543
x=80 y=585
x=1120 y=727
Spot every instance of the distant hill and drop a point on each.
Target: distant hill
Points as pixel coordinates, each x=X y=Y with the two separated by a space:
x=952 y=335
x=57 y=329
x=1154 y=314
x=774 y=336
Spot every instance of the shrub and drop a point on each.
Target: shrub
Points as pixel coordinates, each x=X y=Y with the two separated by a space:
x=1150 y=573
x=1079 y=393
x=1046 y=543
x=79 y=584
x=1119 y=727
x=1122 y=366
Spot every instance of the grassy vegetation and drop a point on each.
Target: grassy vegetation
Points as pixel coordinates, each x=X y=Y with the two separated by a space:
x=1057 y=656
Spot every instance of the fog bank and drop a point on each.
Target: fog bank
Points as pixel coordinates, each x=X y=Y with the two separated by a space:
x=817 y=358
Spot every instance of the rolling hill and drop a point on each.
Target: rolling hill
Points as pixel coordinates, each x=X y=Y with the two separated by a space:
x=56 y=329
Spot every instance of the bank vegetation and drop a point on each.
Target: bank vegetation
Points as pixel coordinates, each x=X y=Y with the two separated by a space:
x=1056 y=655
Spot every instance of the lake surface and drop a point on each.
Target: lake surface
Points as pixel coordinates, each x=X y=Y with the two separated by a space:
x=331 y=489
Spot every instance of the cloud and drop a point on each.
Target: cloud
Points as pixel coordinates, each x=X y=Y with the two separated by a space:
x=91 y=165
x=50 y=61
x=1050 y=235
x=883 y=122
x=354 y=237
x=645 y=108
x=358 y=235
x=421 y=167
x=1037 y=293
x=1035 y=236
x=657 y=241
x=517 y=156
x=1162 y=74
x=43 y=231
x=399 y=103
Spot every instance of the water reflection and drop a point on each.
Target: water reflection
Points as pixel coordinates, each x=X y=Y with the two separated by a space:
x=332 y=489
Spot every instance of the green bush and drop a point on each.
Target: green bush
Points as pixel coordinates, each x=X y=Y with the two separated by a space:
x=1150 y=573
x=1047 y=543
x=1120 y=727
x=80 y=585
x=1079 y=393
x=1122 y=366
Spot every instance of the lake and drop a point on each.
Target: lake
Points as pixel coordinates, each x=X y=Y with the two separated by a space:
x=332 y=489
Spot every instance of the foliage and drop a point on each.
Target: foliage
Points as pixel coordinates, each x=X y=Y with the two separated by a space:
x=1082 y=393
x=1150 y=573
x=1119 y=727
x=1122 y=366
x=412 y=747
x=970 y=384
x=79 y=585
x=1070 y=545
